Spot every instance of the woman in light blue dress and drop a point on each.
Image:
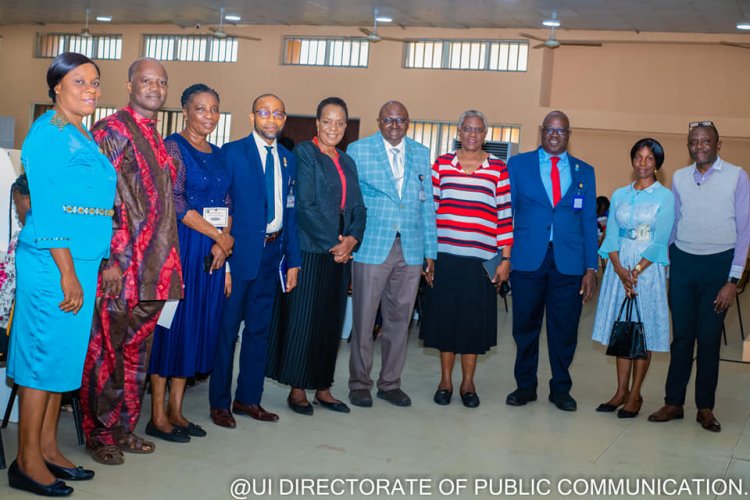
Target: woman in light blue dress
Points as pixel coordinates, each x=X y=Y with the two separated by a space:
x=66 y=236
x=640 y=222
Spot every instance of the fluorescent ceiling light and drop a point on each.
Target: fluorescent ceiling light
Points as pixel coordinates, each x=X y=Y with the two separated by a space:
x=745 y=25
x=104 y=19
x=384 y=19
x=552 y=23
x=232 y=17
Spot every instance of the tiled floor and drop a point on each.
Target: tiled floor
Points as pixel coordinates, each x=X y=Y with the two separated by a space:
x=537 y=448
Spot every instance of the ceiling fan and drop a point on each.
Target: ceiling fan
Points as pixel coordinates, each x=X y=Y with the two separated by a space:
x=218 y=32
x=551 y=42
x=85 y=30
x=372 y=35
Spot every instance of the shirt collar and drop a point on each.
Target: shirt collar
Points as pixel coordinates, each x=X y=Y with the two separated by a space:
x=649 y=189
x=718 y=165
x=485 y=163
x=261 y=144
x=389 y=146
x=140 y=119
x=546 y=156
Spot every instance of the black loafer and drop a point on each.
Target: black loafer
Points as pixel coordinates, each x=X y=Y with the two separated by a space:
x=192 y=429
x=176 y=436
x=443 y=397
x=70 y=473
x=520 y=397
x=563 y=401
x=470 y=399
x=338 y=406
x=305 y=409
x=20 y=481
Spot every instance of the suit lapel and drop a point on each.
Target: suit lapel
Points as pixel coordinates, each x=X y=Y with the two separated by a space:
x=382 y=159
x=253 y=156
x=541 y=192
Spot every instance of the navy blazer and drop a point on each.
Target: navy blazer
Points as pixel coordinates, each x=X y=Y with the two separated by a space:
x=319 y=199
x=248 y=193
x=574 y=235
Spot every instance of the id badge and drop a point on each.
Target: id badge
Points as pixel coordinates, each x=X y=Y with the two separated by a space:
x=578 y=202
x=217 y=216
x=290 y=200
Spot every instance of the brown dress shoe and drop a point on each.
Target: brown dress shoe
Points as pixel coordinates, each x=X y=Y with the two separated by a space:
x=666 y=413
x=223 y=418
x=708 y=421
x=255 y=411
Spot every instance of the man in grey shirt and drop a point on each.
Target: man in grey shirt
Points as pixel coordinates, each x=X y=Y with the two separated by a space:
x=707 y=257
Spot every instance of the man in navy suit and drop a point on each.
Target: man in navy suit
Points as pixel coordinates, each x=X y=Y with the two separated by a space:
x=265 y=233
x=554 y=258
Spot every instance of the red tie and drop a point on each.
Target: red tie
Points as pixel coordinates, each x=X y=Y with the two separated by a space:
x=555 y=174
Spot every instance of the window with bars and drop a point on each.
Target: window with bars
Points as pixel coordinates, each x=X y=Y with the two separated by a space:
x=190 y=48
x=173 y=120
x=88 y=121
x=478 y=55
x=337 y=52
x=169 y=121
x=438 y=136
x=94 y=46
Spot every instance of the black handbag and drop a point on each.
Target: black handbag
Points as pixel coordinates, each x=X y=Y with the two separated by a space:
x=627 y=339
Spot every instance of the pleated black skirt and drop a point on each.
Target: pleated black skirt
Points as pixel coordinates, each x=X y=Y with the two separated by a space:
x=305 y=337
x=460 y=311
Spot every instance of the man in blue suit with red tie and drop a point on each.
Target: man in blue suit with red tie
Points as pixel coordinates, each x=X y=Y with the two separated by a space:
x=554 y=258
x=265 y=232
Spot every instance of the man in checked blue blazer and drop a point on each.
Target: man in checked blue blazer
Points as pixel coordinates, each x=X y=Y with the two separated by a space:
x=553 y=260
x=265 y=232
x=400 y=237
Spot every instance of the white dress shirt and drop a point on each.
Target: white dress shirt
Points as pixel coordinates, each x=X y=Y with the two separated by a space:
x=397 y=169
x=277 y=223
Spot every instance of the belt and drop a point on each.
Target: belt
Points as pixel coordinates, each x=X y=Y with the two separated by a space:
x=73 y=209
x=272 y=236
x=641 y=233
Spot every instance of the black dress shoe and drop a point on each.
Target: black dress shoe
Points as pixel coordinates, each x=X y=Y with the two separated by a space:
x=396 y=397
x=360 y=397
x=338 y=406
x=70 y=473
x=191 y=429
x=563 y=401
x=443 y=397
x=470 y=399
x=520 y=397
x=175 y=436
x=20 y=481
x=302 y=409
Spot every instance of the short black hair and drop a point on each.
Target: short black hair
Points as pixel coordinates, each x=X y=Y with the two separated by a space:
x=331 y=101
x=651 y=144
x=263 y=96
x=196 y=88
x=61 y=66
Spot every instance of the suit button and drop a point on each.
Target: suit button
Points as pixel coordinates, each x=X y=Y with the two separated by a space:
x=549 y=227
x=401 y=206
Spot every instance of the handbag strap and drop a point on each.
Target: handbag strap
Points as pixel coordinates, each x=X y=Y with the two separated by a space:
x=625 y=302
x=637 y=308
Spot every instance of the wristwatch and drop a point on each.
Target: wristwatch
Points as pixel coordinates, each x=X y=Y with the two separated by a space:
x=503 y=259
x=733 y=281
x=638 y=268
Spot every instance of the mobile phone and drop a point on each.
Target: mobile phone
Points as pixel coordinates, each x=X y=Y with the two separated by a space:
x=207 y=261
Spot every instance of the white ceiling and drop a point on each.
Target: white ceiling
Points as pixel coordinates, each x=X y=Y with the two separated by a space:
x=700 y=16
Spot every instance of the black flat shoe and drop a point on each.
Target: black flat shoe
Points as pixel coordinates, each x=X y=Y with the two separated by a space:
x=470 y=399
x=606 y=408
x=176 y=436
x=305 y=409
x=19 y=480
x=192 y=429
x=334 y=406
x=443 y=397
x=622 y=413
x=70 y=473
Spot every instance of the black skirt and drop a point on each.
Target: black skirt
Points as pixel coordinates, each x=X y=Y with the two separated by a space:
x=460 y=311
x=305 y=336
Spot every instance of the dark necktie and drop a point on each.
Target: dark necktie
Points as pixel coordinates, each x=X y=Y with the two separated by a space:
x=555 y=174
x=270 y=194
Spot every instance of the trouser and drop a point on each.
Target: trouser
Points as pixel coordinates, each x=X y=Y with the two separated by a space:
x=535 y=292
x=694 y=282
x=392 y=284
x=114 y=373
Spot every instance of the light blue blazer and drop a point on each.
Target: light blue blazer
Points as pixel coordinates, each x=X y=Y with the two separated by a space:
x=412 y=215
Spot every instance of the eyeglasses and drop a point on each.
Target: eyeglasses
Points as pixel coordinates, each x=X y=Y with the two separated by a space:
x=548 y=131
x=390 y=121
x=706 y=123
x=265 y=114
x=473 y=130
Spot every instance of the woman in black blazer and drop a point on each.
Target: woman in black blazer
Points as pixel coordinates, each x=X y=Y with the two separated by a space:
x=331 y=223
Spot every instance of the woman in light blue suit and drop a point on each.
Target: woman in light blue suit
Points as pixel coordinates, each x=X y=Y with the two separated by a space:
x=66 y=236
